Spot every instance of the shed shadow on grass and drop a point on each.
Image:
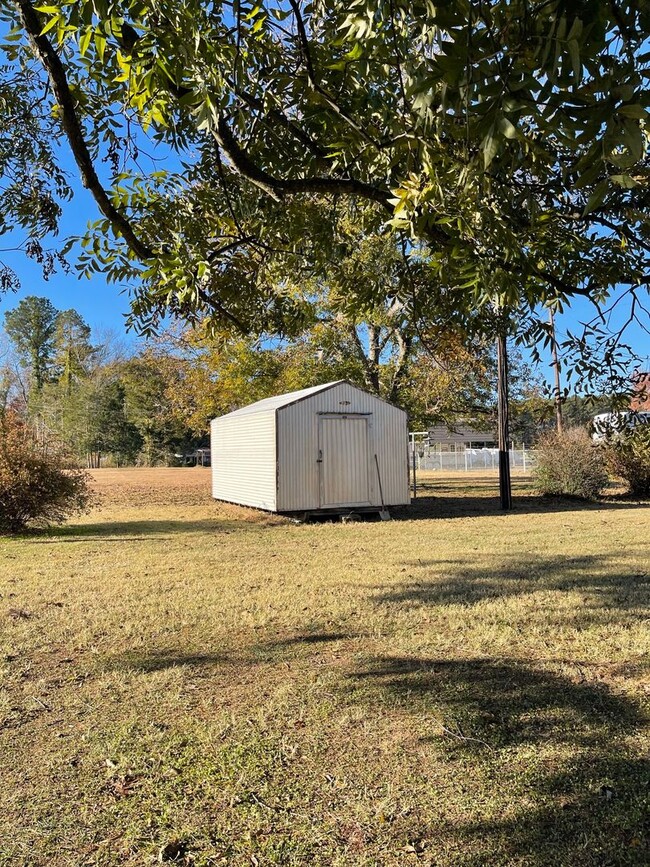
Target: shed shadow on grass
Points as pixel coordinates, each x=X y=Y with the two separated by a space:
x=463 y=581
x=551 y=757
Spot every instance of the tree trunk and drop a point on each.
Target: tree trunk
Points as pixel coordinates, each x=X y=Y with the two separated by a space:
x=369 y=359
x=557 y=391
x=401 y=364
x=373 y=356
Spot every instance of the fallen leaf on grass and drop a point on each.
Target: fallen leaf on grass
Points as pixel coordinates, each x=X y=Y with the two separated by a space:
x=415 y=847
x=122 y=786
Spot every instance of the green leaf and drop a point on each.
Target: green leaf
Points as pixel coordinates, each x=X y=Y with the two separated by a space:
x=624 y=181
x=253 y=12
x=596 y=198
x=355 y=52
x=100 y=45
x=51 y=24
x=258 y=24
x=576 y=61
x=635 y=111
x=507 y=128
x=490 y=147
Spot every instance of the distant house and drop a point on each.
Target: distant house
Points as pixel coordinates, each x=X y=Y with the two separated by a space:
x=444 y=438
x=612 y=423
x=608 y=424
x=641 y=400
x=197 y=458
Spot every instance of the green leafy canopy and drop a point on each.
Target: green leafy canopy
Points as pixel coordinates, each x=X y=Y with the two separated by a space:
x=508 y=138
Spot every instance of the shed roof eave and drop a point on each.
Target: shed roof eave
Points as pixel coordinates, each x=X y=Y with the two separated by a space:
x=272 y=404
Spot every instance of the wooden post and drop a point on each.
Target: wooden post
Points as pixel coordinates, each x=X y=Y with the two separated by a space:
x=556 y=367
x=415 y=490
x=505 y=487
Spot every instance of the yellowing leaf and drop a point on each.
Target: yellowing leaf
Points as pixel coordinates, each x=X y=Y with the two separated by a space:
x=100 y=45
x=507 y=128
x=84 y=42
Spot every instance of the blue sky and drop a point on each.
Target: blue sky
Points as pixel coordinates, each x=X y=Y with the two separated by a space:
x=101 y=305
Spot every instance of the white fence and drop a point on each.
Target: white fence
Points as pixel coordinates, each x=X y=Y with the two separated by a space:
x=433 y=457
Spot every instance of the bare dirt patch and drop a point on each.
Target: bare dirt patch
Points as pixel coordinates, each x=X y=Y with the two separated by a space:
x=149 y=487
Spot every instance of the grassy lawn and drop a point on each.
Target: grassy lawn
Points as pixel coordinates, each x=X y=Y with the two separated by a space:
x=190 y=682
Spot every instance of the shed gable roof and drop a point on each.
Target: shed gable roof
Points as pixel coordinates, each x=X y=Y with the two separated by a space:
x=269 y=404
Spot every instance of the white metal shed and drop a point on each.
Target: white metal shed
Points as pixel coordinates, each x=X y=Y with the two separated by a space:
x=331 y=447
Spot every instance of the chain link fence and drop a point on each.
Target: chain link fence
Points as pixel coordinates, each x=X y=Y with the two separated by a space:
x=436 y=457
x=471 y=459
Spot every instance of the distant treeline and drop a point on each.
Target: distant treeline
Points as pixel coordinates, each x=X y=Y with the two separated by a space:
x=114 y=404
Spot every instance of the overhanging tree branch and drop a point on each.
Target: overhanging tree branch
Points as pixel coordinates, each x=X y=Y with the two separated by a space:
x=58 y=79
x=280 y=118
x=277 y=187
x=303 y=40
x=73 y=129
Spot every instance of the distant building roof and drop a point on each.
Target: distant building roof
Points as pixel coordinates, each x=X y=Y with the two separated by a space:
x=460 y=434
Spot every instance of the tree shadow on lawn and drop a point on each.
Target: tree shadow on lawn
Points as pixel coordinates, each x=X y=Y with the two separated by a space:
x=466 y=582
x=551 y=758
x=272 y=650
x=538 y=768
x=308 y=638
x=127 y=531
x=458 y=505
x=163 y=660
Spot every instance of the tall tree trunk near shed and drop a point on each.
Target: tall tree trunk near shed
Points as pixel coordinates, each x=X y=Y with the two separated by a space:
x=405 y=344
x=557 y=391
x=505 y=486
x=370 y=358
x=374 y=352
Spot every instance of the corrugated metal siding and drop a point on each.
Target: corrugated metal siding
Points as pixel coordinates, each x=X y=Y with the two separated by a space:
x=244 y=460
x=298 y=470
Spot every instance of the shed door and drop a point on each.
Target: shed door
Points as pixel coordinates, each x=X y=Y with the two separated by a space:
x=344 y=461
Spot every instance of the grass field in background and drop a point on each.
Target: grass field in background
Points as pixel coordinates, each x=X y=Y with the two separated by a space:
x=188 y=682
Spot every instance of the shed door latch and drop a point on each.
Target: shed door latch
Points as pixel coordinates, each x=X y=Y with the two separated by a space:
x=319 y=459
